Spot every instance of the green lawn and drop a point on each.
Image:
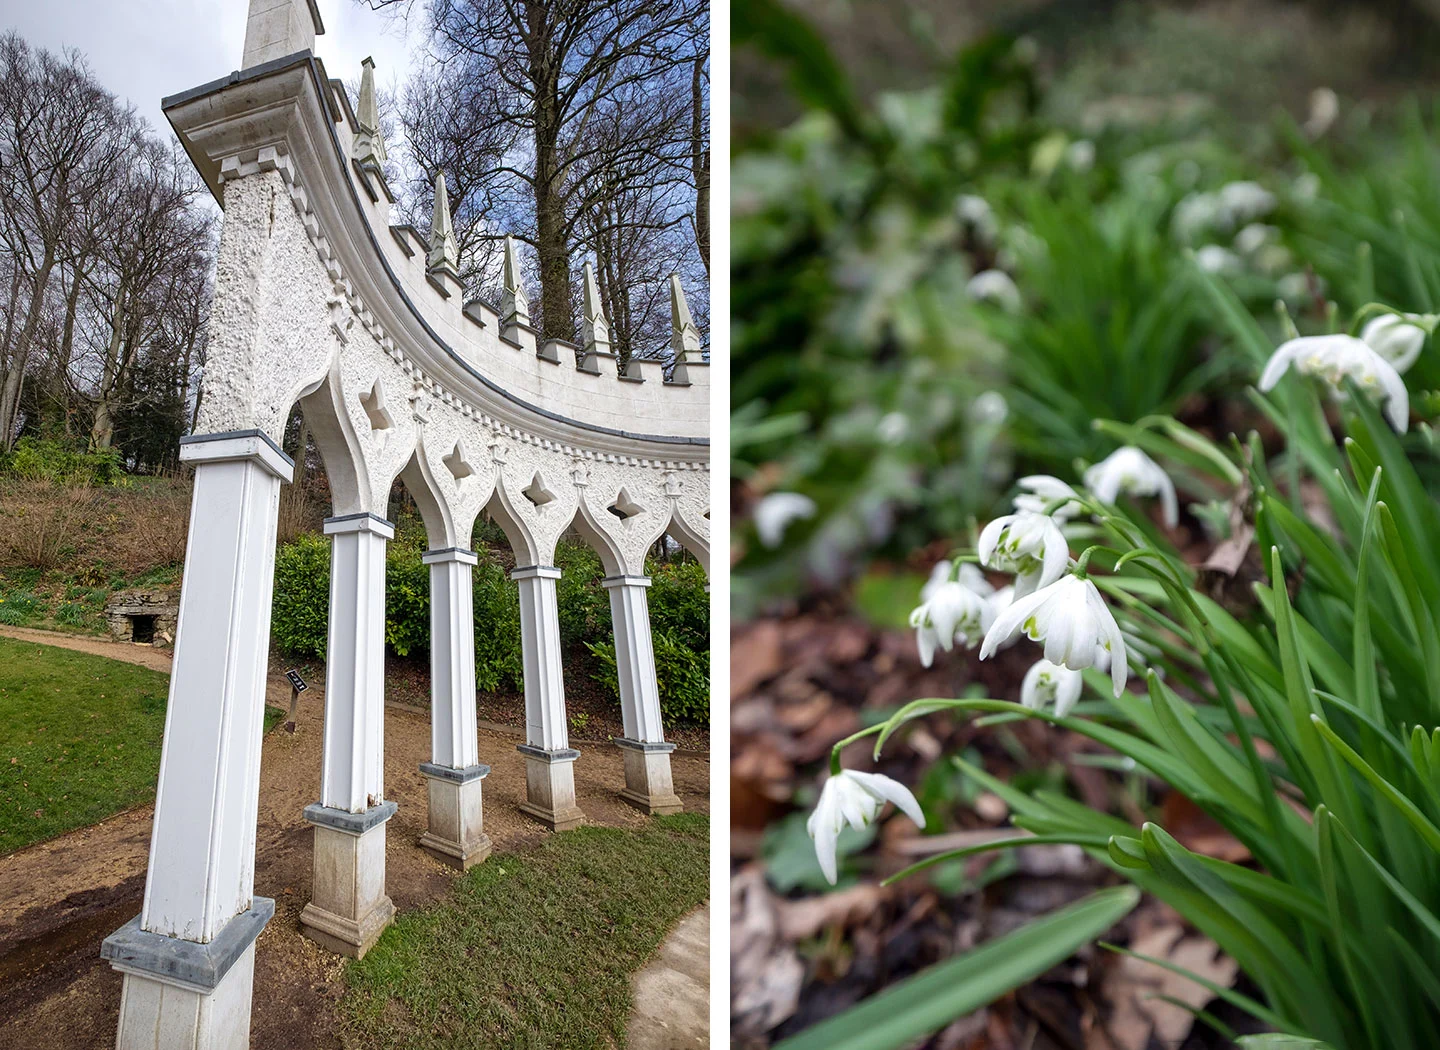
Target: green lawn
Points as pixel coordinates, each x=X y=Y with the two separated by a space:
x=79 y=739
x=535 y=949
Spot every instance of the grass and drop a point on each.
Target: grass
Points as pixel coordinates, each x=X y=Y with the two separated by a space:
x=533 y=950
x=79 y=739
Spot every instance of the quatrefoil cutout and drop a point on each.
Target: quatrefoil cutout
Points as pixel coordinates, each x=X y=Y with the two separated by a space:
x=536 y=492
x=458 y=465
x=624 y=507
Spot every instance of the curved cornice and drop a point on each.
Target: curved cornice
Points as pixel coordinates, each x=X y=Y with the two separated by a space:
x=284 y=110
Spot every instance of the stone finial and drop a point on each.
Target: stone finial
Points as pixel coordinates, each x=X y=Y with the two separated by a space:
x=444 y=254
x=514 y=303
x=369 y=146
x=684 y=336
x=596 y=327
x=276 y=28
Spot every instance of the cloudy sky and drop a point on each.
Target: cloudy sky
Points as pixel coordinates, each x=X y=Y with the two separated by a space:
x=143 y=50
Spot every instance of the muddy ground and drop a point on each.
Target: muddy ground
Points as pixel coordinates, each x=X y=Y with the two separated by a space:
x=60 y=899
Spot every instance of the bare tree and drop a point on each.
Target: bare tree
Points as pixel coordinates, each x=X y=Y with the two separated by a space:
x=532 y=79
x=62 y=139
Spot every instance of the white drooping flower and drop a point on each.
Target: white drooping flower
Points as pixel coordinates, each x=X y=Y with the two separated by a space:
x=774 y=513
x=995 y=286
x=1071 y=619
x=1254 y=237
x=1028 y=544
x=1213 y=258
x=1335 y=358
x=949 y=612
x=1244 y=201
x=854 y=798
x=1047 y=683
x=1197 y=214
x=1130 y=471
x=989 y=409
x=978 y=217
x=1398 y=338
x=1080 y=155
x=1041 y=490
x=1324 y=108
x=892 y=428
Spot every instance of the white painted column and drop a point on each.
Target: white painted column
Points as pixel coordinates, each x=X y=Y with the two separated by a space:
x=454 y=773
x=549 y=759
x=648 y=781
x=348 y=906
x=188 y=958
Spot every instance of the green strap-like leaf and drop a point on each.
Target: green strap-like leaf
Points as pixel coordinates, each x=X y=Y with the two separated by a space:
x=933 y=998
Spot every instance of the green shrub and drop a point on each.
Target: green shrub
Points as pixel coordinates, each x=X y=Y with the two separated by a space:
x=407 y=594
x=36 y=459
x=300 y=612
x=498 y=662
x=679 y=604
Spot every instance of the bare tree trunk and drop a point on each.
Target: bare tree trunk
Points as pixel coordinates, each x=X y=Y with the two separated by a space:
x=102 y=432
x=700 y=161
x=19 y=357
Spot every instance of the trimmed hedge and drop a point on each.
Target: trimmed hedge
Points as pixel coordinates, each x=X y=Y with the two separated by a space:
x=679 y=617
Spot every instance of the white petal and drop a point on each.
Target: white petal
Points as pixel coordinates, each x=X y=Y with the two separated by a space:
x=990 y=538
x=1397 y=398
x=1279 y=362
x=1009 y=621
x=891 y=790
x=1030 y=686
x=1067 y=691
x=1168 y=503
x=824 y=828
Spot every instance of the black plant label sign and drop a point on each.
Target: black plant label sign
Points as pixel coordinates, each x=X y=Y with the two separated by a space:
x=296 y=681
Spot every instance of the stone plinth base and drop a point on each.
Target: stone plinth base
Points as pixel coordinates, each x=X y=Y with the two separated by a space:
x=182 y=995
x=348 y=907
x=456 y=834
x=550 y=787
x=648 y=784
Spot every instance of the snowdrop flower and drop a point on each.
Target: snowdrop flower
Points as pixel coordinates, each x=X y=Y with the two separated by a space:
x=995 y=286
x=977 y=215
x=1335 y=358
x=1300 y=287
x=1071 y=619
x=989 y=409
x=854 y=798
x=1196 y=214
x=1398 y=338
x=949 y=612
x=774 y=513
x=969 y=574
x=1324 y=108
x=1254 y=237
x=1028 y=544
x=1130 y=471
x=1306 y=186
x=1040 y=490
x=1046 y=683
x=1243 y=201
x=1080 y=155
x=1214 y=259
x=892 y=428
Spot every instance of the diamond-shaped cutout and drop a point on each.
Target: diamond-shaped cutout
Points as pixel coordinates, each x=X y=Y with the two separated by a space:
x=375 y=410
x=456 y=463
x=625 y=507
x=536 y=492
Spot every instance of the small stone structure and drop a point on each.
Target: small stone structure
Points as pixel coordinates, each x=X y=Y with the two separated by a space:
x=143 y=617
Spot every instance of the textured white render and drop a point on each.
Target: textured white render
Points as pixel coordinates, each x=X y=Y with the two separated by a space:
x=320 y=302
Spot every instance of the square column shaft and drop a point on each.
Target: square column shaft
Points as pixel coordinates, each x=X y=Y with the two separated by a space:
x=648 y=781
x=187 y=958
x=549 y=760
x=276 y=28
x=348 y=907
x=456 y=831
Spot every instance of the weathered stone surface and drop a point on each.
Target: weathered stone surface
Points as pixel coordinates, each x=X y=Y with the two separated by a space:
x=124 y=606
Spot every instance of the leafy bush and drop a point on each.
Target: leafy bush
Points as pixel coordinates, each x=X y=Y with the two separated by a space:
x=300 y=612
x=407 y=592
x=37 y=459
x=499 y=662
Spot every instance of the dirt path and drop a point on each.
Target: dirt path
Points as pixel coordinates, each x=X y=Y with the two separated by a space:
x=59 y=899
x=144 y=655
x=672 y=992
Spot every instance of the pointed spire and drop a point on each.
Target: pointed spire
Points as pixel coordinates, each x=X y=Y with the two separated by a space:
x=444 y=253
x=684 y=336
x=597 y=329
x=514 y=303
x=369 y=146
